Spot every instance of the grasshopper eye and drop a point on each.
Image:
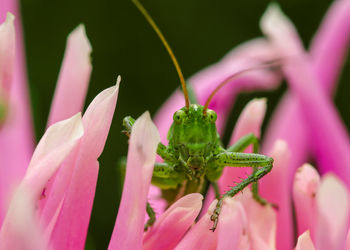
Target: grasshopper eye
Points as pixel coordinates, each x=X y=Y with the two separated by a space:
x=178 y=116
x=211 y=115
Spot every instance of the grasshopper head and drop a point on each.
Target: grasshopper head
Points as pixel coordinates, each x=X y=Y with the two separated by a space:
x=193 y=134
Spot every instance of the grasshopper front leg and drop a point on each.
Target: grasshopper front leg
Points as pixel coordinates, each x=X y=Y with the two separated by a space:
x=240 y=146
x=262 y=163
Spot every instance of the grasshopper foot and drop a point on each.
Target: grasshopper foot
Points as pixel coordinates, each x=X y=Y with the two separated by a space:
x=149 y=224
x=152 y=217
x=215 y=216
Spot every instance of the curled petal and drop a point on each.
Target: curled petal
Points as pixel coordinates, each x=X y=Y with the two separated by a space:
x=305 y=242
x=128 y=228
x=173 y=223
x=79 y=195
x=74 y=77
x=333 y=214
x=305 y=187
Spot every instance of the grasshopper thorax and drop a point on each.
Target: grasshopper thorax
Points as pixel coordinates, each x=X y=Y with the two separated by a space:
x=193 y=135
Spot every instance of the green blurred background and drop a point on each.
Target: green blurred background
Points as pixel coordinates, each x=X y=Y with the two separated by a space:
x=200 y=33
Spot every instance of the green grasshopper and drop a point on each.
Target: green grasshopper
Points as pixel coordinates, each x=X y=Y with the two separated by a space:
x=195 y=155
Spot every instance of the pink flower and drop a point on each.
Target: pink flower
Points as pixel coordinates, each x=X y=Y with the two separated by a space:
x=46 y=203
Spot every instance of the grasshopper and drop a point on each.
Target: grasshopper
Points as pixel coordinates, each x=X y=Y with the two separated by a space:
x=195 y=156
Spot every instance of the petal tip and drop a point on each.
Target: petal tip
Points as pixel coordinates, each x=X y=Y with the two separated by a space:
x=78 y=36
x=9 y=17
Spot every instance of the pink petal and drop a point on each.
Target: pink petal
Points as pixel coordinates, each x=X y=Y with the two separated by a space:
x=232 y=227
x=306 y=185
x=275 y=188
x=18 y=126
x=72 y=223
x=305 y=242
x=128 y=229
x=261 y=222
x=20 y=230
x=173 y=223
x=330 y=44
x=199 y=236
x=347 y=244
x=74 y=77
x=332 y=149
x=30 y=189
x=7 y=55
x=333 y=214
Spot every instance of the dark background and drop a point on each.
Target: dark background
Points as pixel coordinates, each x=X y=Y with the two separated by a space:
x=200 y=33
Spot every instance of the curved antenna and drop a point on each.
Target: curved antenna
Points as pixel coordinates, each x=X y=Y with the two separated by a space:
x=236 y=75
x=167 y=47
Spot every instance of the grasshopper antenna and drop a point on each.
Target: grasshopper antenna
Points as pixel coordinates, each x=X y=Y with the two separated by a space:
x=167 y=47
x=264 y=65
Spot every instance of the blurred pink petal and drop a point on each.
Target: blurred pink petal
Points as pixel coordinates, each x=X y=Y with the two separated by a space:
x=18 y=126
x=173 y=223
x=328 y=50
x=232 y=228
x=330 y=44
x=74 y=216
x=128 y=228
x=7 y=55
x=332 y=149
x=333 y=214
x=199 y=236
x=261 y=222
x=347 y=244
x=30 y=189
x=278 y=177
x=306 y=185
x=74 y=77
x=305 y=242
